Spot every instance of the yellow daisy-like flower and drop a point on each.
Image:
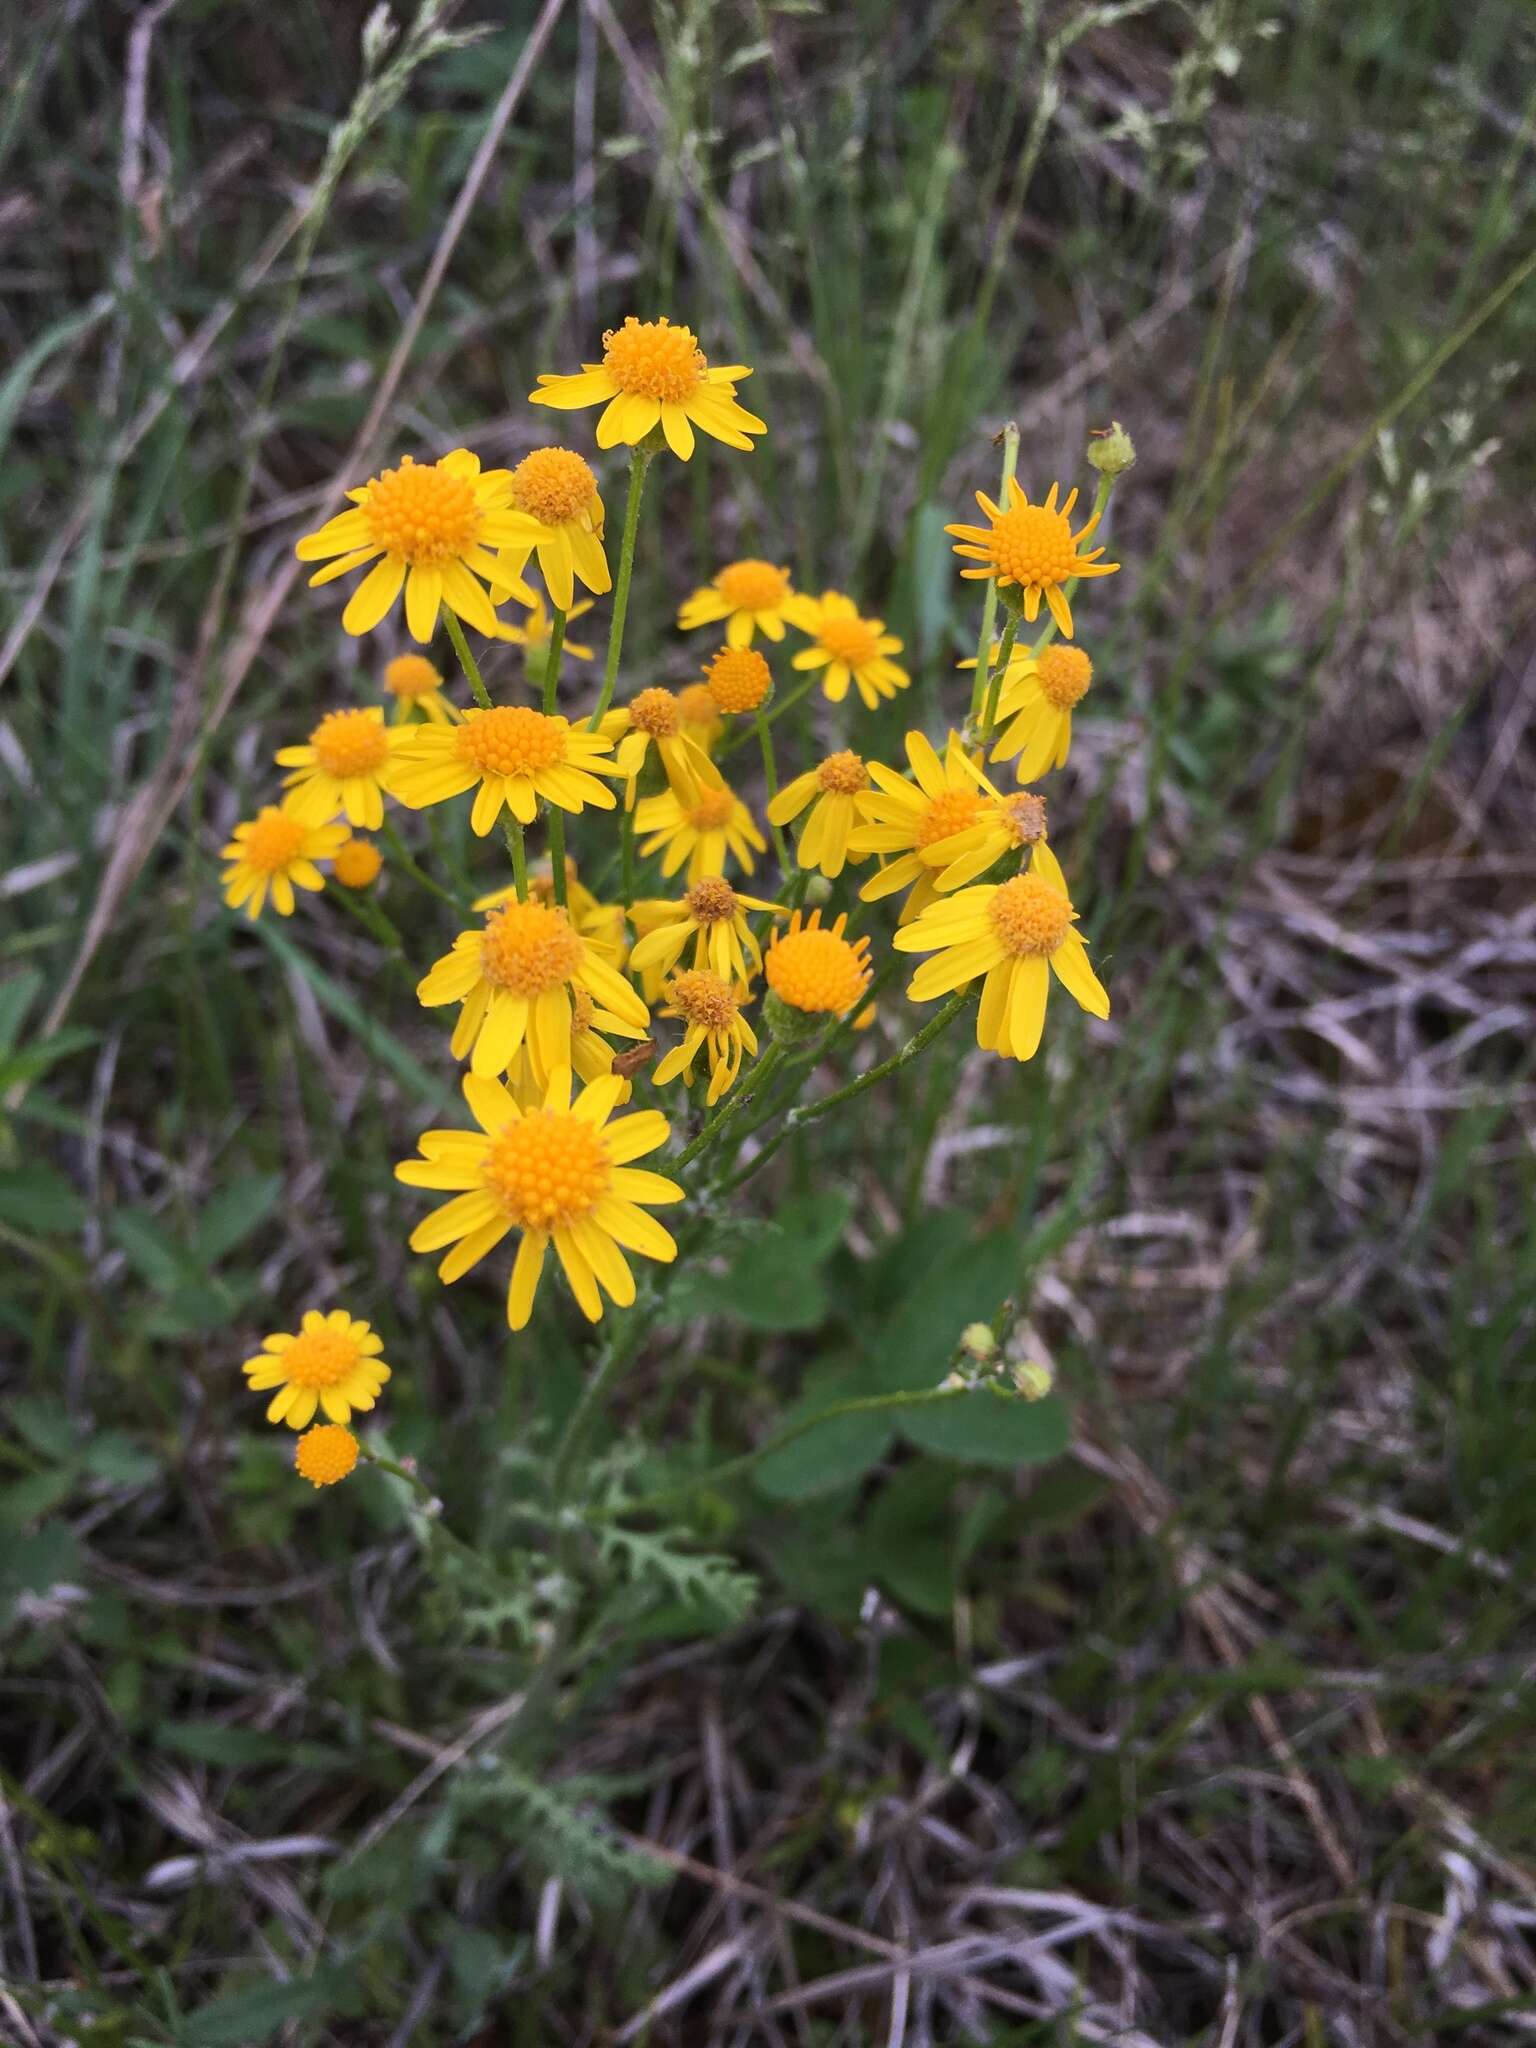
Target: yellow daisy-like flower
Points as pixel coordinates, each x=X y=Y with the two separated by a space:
x=830 y=789
x=714 y=916
x=599 y=925
x=705 y=828
x=559 y=1173
x=711 y=1010
x=558 y=515
x=1034 y=547
x=1039 y=700
x=332 y=1362
x=343 y=766
x=325 y=1455
x=849 y=648
x=750 y=596
x=357 y=863
x=812 y=967
x=590 y=1056
x=434 y=524
x=654 y=718
x=276 y=851
x=654 y=372
x=515 y=754
x=739 y=679
x=514 y=980
x=538 y=630
x=904 y=821
x=1006 y=824
x=701 y=716
x=1015 y=934
x=416 y=685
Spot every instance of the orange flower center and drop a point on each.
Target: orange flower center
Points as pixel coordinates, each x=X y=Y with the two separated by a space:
x=848 y=639
x=654 y=359
x=357 y=863
x=410 y=676
x=554 y=485
x=952 y=810
x=527 y=948
x=815 y=969
x=582 y=1011
x=423 y=513
x=752 y=586
x=320 y=1358
x=697 y=705
x=738 y=679
x=1030 y=545
x=704 y=999
x=656 y=712
x=511 y=739
x=1029 y=916
x=349 y=743
x=710 y=900
x=324 y=1455
x=1024 y=815
x=1065 y=673
x=713 y=811
x=274 y=840
x=842 y=774
x=548 y=1169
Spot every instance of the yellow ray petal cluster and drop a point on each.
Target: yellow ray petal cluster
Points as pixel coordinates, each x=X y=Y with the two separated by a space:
x=654 y=374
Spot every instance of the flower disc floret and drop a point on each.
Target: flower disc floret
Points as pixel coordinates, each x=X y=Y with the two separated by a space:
x=753 y=586
x=1032 y=548
x=332 y=1362
x=654 y=359
x=710 y=900
x=842 y=774
x=1033 y=545
x=410 y=676
x=1024 y=816
x=657 y=712
x=511 y=739
x=849 y=639
x=528 y=948
x=326 y=1454
x=697 y=706
x=350 y=743
x=738 y=679
x=425 y=514
x=1030 y=917
x=814 y=968
x=704 y=999
x=952 y=810
x=273 y=841
x=553 y=485
x=548 y=1170
x=357 y=863
x=1064 y=674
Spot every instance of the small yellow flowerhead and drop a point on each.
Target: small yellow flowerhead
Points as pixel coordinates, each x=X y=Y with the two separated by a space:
x=813 y=968
x=700 y=714
x=326 y=1454
x=738 y=679
x=411 y=677
x=1064 y=674
x=357 y=863
x=1031 y=552
x=553 y=485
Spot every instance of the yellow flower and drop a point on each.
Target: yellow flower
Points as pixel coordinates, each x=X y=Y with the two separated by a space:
x=1034 y=547
x=434 y=524
x=343 y=766
x=325 y=1455
x=416 y=685
x=847 y=647
x=1005 y=824
x=558 y=512
x=537 y=630
x=514 y=980
x=600 y=925
x=814 y=968
x=906 y=821
x=590 y=1057
x=714 y=916
x=357 y=863
x=652 y=371
x=830 y=789
x=332 y=1363
x=1014 y=933
x=558 y=1174
x=706 y=831
x=515 y=754
x=701 y=715
x=711 y=1010
x=738 y=679
x=1039 y=701
x=751 y=597
x=655 y=718
x=276 y=851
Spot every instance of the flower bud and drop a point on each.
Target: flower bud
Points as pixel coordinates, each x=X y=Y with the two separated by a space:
x=1111 y=450
x=978 y=1342
x=1032 y=1381
x=817 y=889
x=786 y=1024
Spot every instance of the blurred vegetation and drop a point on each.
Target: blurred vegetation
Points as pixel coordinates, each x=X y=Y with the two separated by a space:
x=1243 y=1672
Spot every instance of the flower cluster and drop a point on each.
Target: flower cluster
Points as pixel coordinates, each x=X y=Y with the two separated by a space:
x=554 y=988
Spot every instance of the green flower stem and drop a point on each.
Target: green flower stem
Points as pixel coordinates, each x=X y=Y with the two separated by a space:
x=771 y=777
x=552 y=662
x=999 y=670
x=511 y=828
x=735 y=1103
x=780 y=706
x=989 y=607
x=620 y=1348
x=417 y=873
x=862 y=1404
x=639 y=463
x=373 y=920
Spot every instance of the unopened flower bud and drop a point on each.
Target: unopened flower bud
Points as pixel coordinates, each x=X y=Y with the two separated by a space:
x=786 y=1024
x=978 y=1342
x=1111 y=450
x=817 y=889
x=1032 y=1380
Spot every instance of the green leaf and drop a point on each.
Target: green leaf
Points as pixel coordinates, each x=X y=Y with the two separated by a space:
x=115 y=1457
x=39 y=1198
x=987 y=1429
x=153 y=1255
x=774 y=1283
x=836 y=1453
x=911 y=1533
x=17 y=995
x=46 y=1425
x=234 y=1212
x=29 y=1499
x=933 y=1280
x=246 y=2019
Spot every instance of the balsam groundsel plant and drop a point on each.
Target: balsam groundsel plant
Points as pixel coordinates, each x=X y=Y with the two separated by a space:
x=691 y=948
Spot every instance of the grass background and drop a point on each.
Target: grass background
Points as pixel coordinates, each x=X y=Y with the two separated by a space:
x=1215 y=1728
